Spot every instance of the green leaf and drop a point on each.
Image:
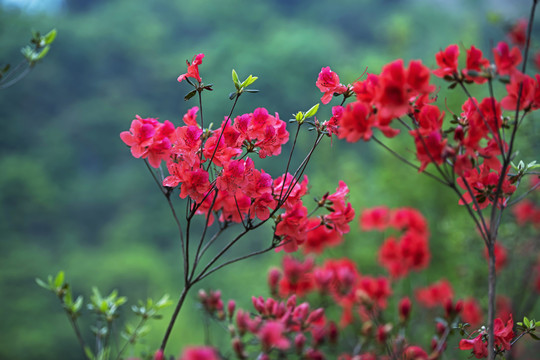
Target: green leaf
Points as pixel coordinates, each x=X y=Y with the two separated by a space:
x=43 y=53
x=164 y=302
x=59 y=280
x=534 y=336
x=190 y=94
x=311 y=112
x=43 y=284
x=89 y=353
x=526 y=322
x=251 y=90
x=250 y=80
x=50 y=36
x=78 y=304
x=235 y=79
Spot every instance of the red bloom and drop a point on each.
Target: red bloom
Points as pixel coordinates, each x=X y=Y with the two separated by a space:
x=506 y=60
x=193 y=69
x=479 y=348
x=518 y=32
x=476 y=63
x=409 y=219
x=430 y=148
x=471 y=313
x=271 y=335
x=342 y=212
x=524 y=211
x=328 y=83
x=524 y=87
x=190 y=118
x=404 y=308
x=418 y=78
x=392 y=99
x=376 y=218
x=409 y=253
x=435 y=294
x=337 y=276
x=297 y=278
x=503 y=307
x=447 y=60
x=356 y=123
x=375 y=290
x=319 y=237
x=415 y=353
x=483 y=182
x=199 y=353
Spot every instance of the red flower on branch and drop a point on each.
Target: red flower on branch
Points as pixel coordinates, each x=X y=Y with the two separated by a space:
x=193 y=69
x=447 y=60
x=328 y=83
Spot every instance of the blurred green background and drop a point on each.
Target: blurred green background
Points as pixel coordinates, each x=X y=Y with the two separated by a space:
x=73 y=198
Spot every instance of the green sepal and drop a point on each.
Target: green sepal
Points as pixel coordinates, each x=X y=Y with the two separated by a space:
x=190 y=94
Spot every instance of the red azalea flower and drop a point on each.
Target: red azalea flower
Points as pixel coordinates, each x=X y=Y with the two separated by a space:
x=193 y=69
x=356 y=123
x=477 y=345
x=435 y=294
x=392 y=98
x=472 y=312
x=506 y=60
x=524 y=211
x=477 y=63
x=319 y=237
x=447 y=60
x=524 y=87
x=376 y=218
x=297 y=278
x=199 y=353
x=271 y=335
x=518 y=32
x=328 y=83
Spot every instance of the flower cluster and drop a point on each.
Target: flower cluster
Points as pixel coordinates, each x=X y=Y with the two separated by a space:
x=277 y=326
x=503 y=336
x=471 y=144
x=410 y=251
x=214 y=170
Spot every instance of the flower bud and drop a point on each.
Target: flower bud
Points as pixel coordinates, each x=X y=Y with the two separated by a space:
x=459 y=134
x=274 y=275
x=440 y=328
x=366 y=328
x=231 y=306
x=238 y=347
x=291 y=302
x=315 y=316
x=158 y=355
x=382 y=332
x=404 y=308
x=333 y=333
x=299 y=342
x=202 y=295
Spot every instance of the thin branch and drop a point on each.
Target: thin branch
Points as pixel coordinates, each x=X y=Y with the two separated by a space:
x=289 y=161
x=407 y=161
x=185 y=290
x=524 y=195
x=216 y=268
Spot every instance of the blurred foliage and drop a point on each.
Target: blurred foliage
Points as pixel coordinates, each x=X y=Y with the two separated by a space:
x=73 y=198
